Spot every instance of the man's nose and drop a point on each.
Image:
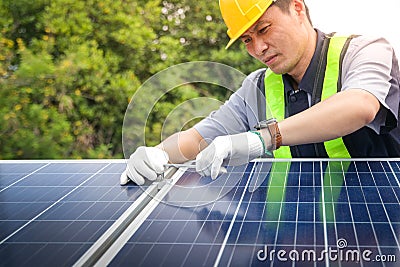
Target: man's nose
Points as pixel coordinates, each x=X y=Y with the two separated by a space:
x=261 y=47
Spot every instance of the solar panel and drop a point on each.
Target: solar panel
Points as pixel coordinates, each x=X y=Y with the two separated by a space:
x=52 y=212
x=340 y=213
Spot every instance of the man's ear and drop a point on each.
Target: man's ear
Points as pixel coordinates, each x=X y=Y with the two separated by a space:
x=299 y=8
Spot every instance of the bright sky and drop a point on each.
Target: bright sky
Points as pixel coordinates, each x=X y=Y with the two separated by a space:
x=376 y=18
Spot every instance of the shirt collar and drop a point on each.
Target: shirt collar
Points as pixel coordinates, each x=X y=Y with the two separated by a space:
x=307 y=83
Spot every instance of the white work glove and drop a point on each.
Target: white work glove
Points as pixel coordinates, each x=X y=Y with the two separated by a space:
x=232 y=150
x=144 y=163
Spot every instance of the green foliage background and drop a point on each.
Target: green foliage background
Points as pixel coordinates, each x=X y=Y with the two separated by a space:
x=68 y=69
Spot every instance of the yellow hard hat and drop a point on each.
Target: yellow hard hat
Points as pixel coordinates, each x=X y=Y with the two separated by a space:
x=239 y=15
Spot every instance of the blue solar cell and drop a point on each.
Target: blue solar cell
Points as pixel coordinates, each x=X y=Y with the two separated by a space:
x=352 y=179
x=8 y=227
x=362 y=167
x=305 y=194
x=392 y=179
x=305 y=212
x=377 y=212
x=374 y=166
x=393 y=212
x=53 y=180
x=34 y=194
x=385 y=166
x=396 y=191
x=211 y=231
x=342 y=212
x=394 y=167
x=306 y=233
x=19 y=211
x=20 y=167
x=200 y=253
x=371 y=194
x=360 y=212
x=132 y=254
x=366 y=236
x=73 y=167
x=35 y=254
x=345 y=230
x=9 y=179
x=355 y=194
x=385 y=235
x=287 y=233
x=388 y=195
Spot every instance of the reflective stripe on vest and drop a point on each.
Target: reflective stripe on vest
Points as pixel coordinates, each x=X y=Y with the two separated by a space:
x=275 y=100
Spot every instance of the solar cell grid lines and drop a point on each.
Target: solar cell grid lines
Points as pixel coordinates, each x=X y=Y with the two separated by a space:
x=50 y=213
x=305 y=213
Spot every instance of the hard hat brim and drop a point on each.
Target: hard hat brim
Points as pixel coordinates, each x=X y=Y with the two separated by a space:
x=243 y=30
x=248 y=25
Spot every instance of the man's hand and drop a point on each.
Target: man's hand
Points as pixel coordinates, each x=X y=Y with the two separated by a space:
x=232 y=150
x=144 y=163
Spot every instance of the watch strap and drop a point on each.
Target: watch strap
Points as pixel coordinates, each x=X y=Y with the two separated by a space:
x=276 y=137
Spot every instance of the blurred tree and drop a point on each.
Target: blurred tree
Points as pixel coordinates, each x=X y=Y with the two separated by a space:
x=199 y=27
x=68 y=69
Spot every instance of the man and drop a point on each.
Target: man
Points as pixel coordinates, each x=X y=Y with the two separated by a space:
x=331 y=96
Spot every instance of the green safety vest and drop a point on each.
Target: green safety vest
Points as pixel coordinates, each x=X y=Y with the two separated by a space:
x=275 y=99
x=334 y=173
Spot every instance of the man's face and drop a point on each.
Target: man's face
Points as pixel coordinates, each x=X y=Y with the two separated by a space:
x=278 y=40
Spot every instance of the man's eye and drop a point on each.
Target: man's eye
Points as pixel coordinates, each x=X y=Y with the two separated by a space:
x=246 y=40
x=263 y=30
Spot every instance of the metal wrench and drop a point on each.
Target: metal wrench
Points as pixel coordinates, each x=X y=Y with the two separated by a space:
x=189 y=165
x=255 y=181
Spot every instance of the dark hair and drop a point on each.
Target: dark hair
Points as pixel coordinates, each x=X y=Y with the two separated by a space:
x=285 y=4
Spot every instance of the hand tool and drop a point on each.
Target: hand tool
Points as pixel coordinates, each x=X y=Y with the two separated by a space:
x=255 y=183
x=189 y=164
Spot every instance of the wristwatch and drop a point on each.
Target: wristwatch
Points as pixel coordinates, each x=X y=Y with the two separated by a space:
x=273 y=129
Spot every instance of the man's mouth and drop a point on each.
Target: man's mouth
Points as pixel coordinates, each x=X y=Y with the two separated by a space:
x=269 y=60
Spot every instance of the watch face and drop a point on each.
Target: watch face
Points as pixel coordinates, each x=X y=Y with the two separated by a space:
x=270 y=121
x=264 y=124
x=261 y=125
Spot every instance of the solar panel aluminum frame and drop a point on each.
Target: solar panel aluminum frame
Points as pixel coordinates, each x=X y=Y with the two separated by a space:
x=105 y=248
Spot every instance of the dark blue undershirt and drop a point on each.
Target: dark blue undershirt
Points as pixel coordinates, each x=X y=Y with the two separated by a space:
x=298 y=101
